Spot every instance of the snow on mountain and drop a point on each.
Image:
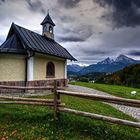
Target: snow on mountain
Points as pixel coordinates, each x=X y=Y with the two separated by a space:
x=125 y=59
x=107 y=65
x=74 y=68
x=106 y=61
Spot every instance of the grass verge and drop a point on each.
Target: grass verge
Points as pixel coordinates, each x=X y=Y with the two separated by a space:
x=36 y=123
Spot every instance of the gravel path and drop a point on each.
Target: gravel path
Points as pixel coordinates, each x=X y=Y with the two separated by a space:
x=132 y=111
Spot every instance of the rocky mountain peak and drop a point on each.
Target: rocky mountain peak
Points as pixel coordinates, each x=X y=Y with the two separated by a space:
x=124 y=59
x=106 y=61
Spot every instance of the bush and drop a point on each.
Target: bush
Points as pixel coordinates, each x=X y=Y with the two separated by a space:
x=84 y=79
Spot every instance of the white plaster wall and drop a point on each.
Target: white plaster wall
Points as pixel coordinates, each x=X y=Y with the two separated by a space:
x=30 y=69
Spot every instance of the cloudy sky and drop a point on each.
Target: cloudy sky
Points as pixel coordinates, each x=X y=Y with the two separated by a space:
x=90 y=29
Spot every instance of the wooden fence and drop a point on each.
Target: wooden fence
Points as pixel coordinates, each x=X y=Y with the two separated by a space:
x=115 y=100
x=60 y=107
x=29 y=101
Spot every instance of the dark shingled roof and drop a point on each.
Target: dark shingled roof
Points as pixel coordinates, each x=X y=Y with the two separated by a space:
x=48 y=19
x=12 y=45
x=32 y=41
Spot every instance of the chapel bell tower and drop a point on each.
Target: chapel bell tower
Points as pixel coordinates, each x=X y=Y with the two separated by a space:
x=47 y=27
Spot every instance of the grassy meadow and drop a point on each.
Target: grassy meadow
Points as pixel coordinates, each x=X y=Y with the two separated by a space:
x=22 y=122
x=120 y=91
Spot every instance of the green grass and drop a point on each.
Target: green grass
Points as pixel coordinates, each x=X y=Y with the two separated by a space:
x=120 y=91
x=19 y=122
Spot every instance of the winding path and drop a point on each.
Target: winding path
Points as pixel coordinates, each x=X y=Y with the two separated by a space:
x=132 y=111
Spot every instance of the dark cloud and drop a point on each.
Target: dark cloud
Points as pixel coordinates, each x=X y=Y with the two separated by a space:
x=36 y=6
x=83 y=27
x=68 y=3
x=98 y=52
x=71 y=39
x=66 y=19
x=134 y=53
x=76 y=34
x=1 y=1
x=89 y=59
x=122 y=12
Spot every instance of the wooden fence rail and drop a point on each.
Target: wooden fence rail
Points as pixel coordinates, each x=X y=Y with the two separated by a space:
x=29 y=88
x=32 y=103
x=100 y=117
x=29 y=101
x=115 y=100
x=60 y=107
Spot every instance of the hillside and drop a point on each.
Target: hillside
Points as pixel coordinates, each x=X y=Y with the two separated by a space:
x=129 y=76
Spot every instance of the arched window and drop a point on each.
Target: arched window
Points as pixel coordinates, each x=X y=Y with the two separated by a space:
x=50 y=72
x=50 y=29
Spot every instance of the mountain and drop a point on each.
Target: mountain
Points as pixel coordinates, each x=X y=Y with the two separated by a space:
x=106 y=61
x=74 y=68
x=124 y=59
x=109 y=65
x=101 y=68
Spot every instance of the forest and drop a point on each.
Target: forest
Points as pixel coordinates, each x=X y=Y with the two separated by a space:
x=129 y=76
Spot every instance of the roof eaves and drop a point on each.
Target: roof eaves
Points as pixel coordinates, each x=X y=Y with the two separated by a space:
x=72 y=58
x=56 y=55
x=21 y=53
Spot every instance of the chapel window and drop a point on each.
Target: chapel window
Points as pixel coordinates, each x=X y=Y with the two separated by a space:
x=50 y=29
x=50 y=69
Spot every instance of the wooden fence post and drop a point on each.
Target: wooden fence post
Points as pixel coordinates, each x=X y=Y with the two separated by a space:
x=56 y=98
